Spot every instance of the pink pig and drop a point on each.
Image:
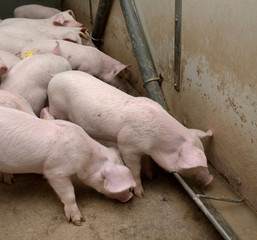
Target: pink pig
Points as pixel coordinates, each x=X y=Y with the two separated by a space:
x=84 y=58
x=13 y=37
x=30 y=77
x=59 y=149
x=139 y=125
x=10 y=100
x=34 y=11
x=7 y=61
x=65 y=19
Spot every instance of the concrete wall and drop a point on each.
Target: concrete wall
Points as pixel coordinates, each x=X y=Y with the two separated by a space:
x=218 y=73
x=218 y=88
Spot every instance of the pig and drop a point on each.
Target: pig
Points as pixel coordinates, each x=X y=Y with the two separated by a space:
x=138 y=125
x=30 y=77
x=35 y=11
x=11 y=43
x=64 y=19
x=59 y=149
x=13 y=38
x=84 y=58
x=7 y=61
x=10 y=100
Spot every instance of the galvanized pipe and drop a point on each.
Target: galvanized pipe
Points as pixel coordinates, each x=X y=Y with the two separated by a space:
x=103 y=10
x=202 y=207
x=147 y=71
x=144 y=60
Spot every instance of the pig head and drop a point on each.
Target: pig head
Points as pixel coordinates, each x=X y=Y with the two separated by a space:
x=192 y=162
x=184 y=153
x=66 y=19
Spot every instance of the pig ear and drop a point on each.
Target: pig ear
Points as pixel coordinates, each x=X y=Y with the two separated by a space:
x=202 y=134
x=59 y=20
x=71 y=13
x=190 y=157
x=56 y=50
x=70 y=37
x=117 y=178
x=119 y=68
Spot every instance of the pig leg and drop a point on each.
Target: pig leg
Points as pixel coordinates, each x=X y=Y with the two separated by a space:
x=6 y=178
x=45 y=114
x=147 y=167
x=65 y=190
x=133 y=162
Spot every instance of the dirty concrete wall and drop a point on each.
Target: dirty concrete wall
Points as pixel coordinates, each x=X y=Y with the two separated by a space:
x=218 y=75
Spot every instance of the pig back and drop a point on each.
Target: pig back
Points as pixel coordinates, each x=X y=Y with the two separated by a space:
x=89 y=102
x=25 y=143
x=30 y=77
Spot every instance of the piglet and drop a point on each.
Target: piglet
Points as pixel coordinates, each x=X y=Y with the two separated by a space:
x=64 y=19
x=35 y=11
x=11 y=100
x=12 y=43
x=30 y=77
x=7 y=61
x=13 y=38
x=139 y=125
x=84 y=58
x=59 y=149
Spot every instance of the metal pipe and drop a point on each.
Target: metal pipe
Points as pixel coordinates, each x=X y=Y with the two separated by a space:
x=91 y=11
x=177 y=40
x=102 y=14
x=202 y=207
x=219 y=198
x=147 y=71
x=144 y=60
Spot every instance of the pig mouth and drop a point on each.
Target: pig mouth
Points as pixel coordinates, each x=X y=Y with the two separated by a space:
x=126 y=198
x=208 y=181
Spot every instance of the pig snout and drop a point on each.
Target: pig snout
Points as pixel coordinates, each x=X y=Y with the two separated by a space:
x=208 y=180
x=122 y=197
x=72 y=24
x=199 y=175
x=125 y=197
x=3 y=69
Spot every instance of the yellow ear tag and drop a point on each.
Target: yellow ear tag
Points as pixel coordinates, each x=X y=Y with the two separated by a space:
x=28 y=54
x=46 y=118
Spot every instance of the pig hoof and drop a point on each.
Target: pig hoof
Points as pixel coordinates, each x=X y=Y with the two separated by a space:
x=139 y=193
x=6 y=178
x=79 y=222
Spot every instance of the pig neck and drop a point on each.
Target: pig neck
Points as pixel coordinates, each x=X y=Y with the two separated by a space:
x=107 y=65
x=170 y=138
x=72 y=55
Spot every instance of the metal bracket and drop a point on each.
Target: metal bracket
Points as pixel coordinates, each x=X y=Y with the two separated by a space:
x=177 y=47
x=157 y=79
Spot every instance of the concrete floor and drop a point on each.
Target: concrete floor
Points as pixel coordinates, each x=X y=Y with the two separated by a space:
x=30 y=210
